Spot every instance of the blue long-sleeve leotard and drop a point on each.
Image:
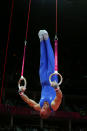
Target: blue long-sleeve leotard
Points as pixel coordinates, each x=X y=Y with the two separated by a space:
x=46 y=68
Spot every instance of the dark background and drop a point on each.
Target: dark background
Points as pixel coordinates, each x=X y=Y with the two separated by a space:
x=72 y=53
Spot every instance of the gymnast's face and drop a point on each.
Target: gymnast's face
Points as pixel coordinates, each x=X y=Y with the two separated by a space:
x=45 y=111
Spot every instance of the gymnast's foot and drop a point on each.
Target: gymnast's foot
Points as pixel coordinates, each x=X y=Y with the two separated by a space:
x=43 y=35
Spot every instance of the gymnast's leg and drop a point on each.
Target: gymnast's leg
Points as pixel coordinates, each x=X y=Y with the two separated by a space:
x=50 y=57
x=43 y=59
x=46 y=58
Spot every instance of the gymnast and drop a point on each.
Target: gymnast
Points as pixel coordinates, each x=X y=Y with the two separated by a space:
x=51 y=95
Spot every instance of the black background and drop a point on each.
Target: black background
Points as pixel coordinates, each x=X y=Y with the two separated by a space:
x=72 y=31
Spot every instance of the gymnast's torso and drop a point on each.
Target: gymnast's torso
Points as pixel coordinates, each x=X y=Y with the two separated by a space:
x=48 y=94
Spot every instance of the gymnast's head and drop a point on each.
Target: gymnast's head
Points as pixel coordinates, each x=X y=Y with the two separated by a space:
x=45 y=111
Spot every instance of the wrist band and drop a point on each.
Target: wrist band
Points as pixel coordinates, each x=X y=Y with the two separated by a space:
x=57 y=89
x=21 y=93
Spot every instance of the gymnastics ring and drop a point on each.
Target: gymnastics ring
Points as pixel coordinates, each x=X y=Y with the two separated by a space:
x=25 y=82
x=56 y=73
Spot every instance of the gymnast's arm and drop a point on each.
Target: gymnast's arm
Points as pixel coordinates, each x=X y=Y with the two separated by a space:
x=30 y=102
x=57 y=101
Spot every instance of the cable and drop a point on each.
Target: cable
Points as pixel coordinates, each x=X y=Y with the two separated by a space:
x=3 y=77
x=56 y=56
x=28 y=19
x=25 y=43
x=26 y=39
x=56 y=16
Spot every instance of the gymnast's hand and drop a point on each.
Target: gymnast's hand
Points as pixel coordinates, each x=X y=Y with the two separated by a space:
x=54 y=84
x=21 y=90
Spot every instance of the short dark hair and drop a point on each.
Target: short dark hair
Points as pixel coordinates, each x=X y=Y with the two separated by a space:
x=46 y=115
